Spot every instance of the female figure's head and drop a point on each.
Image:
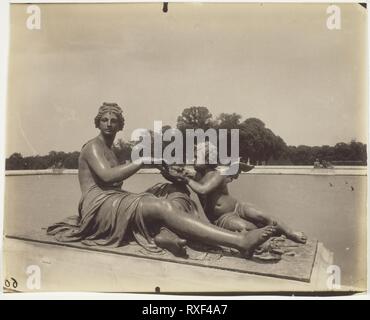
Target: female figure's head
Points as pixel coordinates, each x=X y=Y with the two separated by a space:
x=109 y=118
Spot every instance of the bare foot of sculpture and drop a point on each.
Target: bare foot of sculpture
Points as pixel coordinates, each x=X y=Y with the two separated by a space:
x=170 y=241
x=297 y=236
x=253 y=238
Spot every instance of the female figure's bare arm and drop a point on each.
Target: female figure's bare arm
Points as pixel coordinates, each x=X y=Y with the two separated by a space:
x=97 y=161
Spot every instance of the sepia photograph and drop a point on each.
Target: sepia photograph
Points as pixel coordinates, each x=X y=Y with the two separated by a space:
x=181 y=148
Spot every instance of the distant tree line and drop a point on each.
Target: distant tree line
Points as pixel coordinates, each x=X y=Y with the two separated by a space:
x=353 y=153
x=54 y=160
x=257 y=144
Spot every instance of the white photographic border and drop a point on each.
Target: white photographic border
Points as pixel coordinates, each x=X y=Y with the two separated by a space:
x=4 y=51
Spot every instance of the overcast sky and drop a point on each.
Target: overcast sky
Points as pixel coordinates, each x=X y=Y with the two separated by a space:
x=275 y=62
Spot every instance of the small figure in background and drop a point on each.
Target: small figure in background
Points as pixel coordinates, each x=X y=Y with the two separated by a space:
x=317 y=164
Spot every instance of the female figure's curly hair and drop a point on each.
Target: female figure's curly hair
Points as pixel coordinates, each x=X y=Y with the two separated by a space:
x=115 y=109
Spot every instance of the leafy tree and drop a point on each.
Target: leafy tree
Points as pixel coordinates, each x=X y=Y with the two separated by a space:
x=258 y=143
x=195 y=118
x=342 y=151
x=280 y=149
x=358 y=151
x=253 y=140
x=301 y=155
x=71 y=160
x=14 y=162
x=228 y=121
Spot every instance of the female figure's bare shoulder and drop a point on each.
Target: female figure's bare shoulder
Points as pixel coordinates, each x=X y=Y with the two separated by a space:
x=92 y=151
x=91 y=147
